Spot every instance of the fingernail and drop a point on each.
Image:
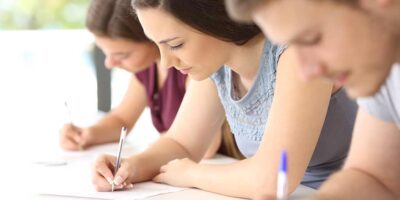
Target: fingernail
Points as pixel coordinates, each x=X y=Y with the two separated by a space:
x=109 y=179
x=119 y=187
x=118 y=180
x=130 y=186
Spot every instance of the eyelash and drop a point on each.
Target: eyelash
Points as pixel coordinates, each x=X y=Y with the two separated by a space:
x=314 y=41
x=176 y=47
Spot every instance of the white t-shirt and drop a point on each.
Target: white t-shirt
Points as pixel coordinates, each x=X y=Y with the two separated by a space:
x=385 y=104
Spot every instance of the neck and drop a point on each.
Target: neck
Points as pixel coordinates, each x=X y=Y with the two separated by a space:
x=245 y=59
x=394 y=19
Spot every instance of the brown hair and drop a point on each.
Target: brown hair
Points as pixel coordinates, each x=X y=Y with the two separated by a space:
x=241 y=10
x=207 y=16
x=228 y=145
x=115 y=19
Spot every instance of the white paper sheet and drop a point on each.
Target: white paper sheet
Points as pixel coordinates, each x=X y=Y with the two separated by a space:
x=58 y=156
x=74 y=179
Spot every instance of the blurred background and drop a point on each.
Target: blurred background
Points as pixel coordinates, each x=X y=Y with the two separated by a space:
x=47 y=58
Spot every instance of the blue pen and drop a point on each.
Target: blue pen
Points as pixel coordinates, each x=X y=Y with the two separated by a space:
x=281 y=192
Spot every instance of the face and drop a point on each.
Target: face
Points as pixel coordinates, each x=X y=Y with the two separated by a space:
x=126 y=54
x=181 y=46
x=337 y=41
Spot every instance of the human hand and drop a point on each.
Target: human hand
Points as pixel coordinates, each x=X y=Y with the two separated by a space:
x=178 y=172
x=76 y=138
x=103 y=177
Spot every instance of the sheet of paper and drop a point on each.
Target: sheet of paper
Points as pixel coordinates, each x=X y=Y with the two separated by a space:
x=74 y=179
x=60 y=157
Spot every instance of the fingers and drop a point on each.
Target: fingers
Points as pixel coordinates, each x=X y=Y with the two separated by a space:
x=104 y=165
x=100 y=184
x=69 y=144
x=75 y=138
x=158 y=178
x=122 y=174
x=103 y=175
x=86 y=138
x=165 y=167
x=66 y=140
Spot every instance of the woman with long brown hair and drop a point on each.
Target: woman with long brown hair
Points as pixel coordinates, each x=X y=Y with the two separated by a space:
x=120 y=36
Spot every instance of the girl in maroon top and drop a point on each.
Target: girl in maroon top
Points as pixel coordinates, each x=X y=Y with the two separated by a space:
x=121 y=38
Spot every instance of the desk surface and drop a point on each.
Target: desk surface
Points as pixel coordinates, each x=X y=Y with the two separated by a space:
x=301 y=192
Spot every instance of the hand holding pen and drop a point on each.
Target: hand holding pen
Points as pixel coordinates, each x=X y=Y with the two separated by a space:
x=75 y=138
x=113 y=173
x=72 y=137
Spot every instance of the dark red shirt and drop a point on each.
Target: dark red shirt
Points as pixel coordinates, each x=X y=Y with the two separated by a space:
x=164 y=102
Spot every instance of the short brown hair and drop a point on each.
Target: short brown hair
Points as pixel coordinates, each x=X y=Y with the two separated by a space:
x=114 y=19
x=207 y=16
x=241 y=10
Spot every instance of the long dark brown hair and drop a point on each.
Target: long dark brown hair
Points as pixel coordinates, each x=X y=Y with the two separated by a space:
x=114 y=19
x=207 y=16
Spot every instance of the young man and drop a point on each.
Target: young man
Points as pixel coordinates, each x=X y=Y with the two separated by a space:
x=355 y=43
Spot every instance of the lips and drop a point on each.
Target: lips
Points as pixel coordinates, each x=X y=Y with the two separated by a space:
x=185 y=71
x=341 y=79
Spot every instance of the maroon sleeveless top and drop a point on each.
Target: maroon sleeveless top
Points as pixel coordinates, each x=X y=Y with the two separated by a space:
x=163 y=102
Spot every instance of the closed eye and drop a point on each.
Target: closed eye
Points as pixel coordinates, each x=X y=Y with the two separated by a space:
x=176 y=46
x=315 y=39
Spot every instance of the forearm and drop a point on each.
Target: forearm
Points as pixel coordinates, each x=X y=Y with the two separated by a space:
x=353 y=184
x=108 y=129
x=236 y=179
x=157 y=155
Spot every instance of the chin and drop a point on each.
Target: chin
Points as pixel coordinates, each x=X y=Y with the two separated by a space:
x=363 y=91
x=197 y=77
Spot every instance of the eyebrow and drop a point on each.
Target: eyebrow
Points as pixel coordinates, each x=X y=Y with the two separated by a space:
x=119 y=53
x=167 y=40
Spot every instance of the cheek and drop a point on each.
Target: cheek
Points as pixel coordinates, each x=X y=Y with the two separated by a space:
x=142 y=59
x=338 y=48
x=200 y=55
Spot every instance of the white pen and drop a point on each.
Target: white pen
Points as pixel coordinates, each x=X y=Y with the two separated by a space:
x=68 y=111
x=282 y=187
x=70 y=119
x=118 y=161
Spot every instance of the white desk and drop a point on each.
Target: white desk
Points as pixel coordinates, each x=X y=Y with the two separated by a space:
x=300 y=193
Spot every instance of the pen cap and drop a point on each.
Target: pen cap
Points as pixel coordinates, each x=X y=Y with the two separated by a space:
x=283 y=162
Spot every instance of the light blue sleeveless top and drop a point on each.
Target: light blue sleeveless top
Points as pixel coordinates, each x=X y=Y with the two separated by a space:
x=247 y=117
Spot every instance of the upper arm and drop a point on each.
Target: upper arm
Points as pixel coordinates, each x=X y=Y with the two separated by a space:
x=198 y=119
x=133 y=103
x=295 y=120
x=375 y=150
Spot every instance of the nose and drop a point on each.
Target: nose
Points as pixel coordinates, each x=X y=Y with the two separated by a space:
x=168 y=60
x=310 y=64
x=110 y=62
